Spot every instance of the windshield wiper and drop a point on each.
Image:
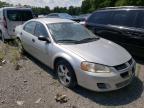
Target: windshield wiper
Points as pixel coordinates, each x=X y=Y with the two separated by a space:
x=67 y=41
x=89 y=39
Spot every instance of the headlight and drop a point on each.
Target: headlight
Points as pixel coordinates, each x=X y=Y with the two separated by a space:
x=96 y=68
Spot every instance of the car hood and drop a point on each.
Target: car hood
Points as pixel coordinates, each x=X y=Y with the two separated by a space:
x=101 y=51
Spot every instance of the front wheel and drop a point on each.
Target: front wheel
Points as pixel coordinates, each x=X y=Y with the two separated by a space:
x=65 y=73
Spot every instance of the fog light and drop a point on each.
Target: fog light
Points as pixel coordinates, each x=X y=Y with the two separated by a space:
x=101 y=85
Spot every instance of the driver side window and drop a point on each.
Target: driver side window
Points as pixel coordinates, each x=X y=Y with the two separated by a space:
x=40 y=30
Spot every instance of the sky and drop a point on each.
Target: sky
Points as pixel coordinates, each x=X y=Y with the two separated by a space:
x=50 y=3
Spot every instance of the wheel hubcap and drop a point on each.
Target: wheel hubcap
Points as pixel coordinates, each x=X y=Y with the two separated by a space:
x=64 y=74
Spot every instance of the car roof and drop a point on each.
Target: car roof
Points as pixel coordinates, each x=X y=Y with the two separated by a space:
x=58 y=13
x=19 y=8
x=52 y=20
x=122 y=8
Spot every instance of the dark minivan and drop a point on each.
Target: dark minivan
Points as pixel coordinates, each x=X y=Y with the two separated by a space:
x=123 y=25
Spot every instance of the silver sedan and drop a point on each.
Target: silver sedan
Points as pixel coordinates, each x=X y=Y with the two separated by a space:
x=76 y=54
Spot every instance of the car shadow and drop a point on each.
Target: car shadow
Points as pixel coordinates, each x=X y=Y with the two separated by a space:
x=41 y=65
x=119 y=97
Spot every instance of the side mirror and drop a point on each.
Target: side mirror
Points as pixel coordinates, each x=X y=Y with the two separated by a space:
x=43 y=38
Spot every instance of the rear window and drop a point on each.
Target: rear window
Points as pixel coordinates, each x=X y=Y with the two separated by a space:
x=19 y=15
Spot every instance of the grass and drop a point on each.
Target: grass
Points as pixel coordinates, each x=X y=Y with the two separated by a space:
x=15 y=55
x=2 y=53
x=10 y=52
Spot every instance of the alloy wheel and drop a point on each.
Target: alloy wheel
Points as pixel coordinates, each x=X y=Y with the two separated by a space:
x=64 y=74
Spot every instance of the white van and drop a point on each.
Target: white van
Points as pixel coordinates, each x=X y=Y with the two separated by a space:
x=10 y=17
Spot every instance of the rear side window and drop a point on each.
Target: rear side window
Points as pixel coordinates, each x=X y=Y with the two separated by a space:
x=124 y=18
x=40 y=30
x=29 y=27
x=100 y=17
x=19 y=15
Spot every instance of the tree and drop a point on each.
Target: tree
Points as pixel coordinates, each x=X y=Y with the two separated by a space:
x=86 y=6
x=46 y=10
x=74 y=10
x=3 y=4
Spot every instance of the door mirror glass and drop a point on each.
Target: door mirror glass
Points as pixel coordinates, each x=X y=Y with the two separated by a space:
x=43 y=38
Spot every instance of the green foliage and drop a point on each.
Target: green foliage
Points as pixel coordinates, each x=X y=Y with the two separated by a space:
x=86 y=6
x=3 y=4
x=40 y=10
x=91 y=5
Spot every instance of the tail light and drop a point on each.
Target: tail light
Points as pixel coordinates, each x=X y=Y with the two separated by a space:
x=85 y=24
x=5 y=23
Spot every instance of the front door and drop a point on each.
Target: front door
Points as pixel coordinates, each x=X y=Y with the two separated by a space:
x=41 y=47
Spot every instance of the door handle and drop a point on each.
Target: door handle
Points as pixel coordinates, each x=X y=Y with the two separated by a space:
x=33 y=40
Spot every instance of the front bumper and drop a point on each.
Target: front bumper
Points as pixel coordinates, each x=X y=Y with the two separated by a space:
x=107 y=81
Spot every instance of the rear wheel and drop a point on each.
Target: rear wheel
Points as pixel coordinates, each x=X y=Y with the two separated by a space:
x=65 y=73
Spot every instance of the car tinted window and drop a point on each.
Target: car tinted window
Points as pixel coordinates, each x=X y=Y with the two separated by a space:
x=140 y=20
x=29 y=27
x=124 y=18
x=40 y=30
x=100 y=18
x=19 y=15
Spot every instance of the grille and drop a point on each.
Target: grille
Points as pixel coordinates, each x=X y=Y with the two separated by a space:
x=121 y=67
x=124 y=75
x=133 y=70
x=130 y=61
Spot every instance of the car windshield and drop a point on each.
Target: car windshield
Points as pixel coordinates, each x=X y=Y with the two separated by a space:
x=71 y=33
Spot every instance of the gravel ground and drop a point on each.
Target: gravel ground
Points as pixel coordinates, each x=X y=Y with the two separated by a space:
x=35 y=86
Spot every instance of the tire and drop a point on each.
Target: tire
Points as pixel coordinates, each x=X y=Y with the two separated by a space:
x=66 y=74
x=2 y=37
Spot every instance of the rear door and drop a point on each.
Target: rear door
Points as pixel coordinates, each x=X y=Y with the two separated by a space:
x=136 y=35
x=15 y=17
x=123 y=22
x=27 y=36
